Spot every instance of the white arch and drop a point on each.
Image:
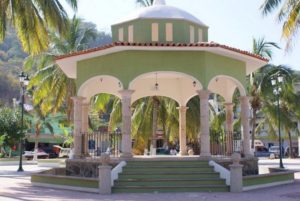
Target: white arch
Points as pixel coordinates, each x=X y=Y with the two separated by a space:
x=175 y=85
x=100 y=84
x=225 y=86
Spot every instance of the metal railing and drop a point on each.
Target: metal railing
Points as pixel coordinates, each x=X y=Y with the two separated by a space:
x=225 y=144
x=96 y=143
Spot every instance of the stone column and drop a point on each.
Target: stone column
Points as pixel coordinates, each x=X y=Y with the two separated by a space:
x=182 y=130
x=204 y=121
x=77 y=149
x=244 y=100
x=126 y=123
x=229 y=128
x=236 y=174
x=85 y=126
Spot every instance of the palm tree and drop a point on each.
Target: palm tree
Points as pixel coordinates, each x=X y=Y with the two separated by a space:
x=39 y=121
x=145 y=3
x=288 y=13
x=32 y=19
x=53 y=89
x=262 y=48
x=289 y=107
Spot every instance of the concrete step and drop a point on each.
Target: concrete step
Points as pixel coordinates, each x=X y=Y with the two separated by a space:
x=168 y=175
x=167 y=169
x=166 y=163
x=161 y=189
x=168 y=182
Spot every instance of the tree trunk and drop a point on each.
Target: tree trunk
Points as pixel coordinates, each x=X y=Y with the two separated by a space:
x=36 y=143
x=253 y=128
x=154 y=119
x=291 y=145
x=9 y=155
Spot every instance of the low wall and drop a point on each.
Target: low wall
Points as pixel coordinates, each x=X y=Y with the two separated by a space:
x=250 y=164
x=56 y=178
x=51 y=162
x=267 y=180
x=84 y=167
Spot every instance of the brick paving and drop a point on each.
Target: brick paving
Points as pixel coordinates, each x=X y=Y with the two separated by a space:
x=16 y=186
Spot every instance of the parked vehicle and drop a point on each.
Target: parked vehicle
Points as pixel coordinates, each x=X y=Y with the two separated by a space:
x=261 y=152
x=274 y=150
x=52 y=153
x=63 y=152
x=40 y=154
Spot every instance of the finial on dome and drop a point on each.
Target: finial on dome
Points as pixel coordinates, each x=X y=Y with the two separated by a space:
x=159 y=2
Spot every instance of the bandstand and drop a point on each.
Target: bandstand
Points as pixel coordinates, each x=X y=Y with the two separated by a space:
x=166 y=45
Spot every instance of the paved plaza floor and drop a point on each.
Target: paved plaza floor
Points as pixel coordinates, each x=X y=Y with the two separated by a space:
x=16 y=186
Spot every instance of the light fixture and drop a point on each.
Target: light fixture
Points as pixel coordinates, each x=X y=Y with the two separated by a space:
x=22 y=76
x=273 y=82
x=280 y=78
x=24 y=82
x=276 y=81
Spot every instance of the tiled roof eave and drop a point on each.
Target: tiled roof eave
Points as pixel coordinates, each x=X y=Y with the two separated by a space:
x=126 y=44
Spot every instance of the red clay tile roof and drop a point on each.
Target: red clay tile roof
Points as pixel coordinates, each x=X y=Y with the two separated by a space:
x=203 y=44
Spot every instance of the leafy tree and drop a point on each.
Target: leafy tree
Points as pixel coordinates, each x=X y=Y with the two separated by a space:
x=288 y=13
x=53 y=89
x=262 y=48
x=288 y=108
x=10 y=126
x=39 y=122
x=31 y=19
x=9 y=88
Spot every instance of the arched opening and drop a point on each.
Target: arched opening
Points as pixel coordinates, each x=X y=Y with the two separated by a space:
x=102 y=134
x=176 y=85
x=155 y=125
x=226 y=86
x=100 y=84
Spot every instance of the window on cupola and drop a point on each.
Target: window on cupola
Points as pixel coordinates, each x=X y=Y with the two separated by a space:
x=130 y=33
x=169 y=32
x=192 y=34
x=200 y=35
x=155 y=32
x=121 y=34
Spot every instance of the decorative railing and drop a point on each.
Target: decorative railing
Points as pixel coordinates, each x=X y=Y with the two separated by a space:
x=96 y=143
x=225 y=143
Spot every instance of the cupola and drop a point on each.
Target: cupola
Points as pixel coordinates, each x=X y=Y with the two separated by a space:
x=160 y=23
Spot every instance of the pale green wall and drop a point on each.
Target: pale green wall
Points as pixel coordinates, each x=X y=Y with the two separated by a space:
x=127 y=65
x=142 y=30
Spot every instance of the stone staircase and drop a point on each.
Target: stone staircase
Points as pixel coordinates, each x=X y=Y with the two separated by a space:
x=168 y=176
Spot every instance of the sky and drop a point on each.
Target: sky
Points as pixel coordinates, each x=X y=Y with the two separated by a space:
x=231 y=22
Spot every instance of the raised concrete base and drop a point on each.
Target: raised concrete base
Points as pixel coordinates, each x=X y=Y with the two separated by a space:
x=105 y=179
x=205 y=157
x=126 y=155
